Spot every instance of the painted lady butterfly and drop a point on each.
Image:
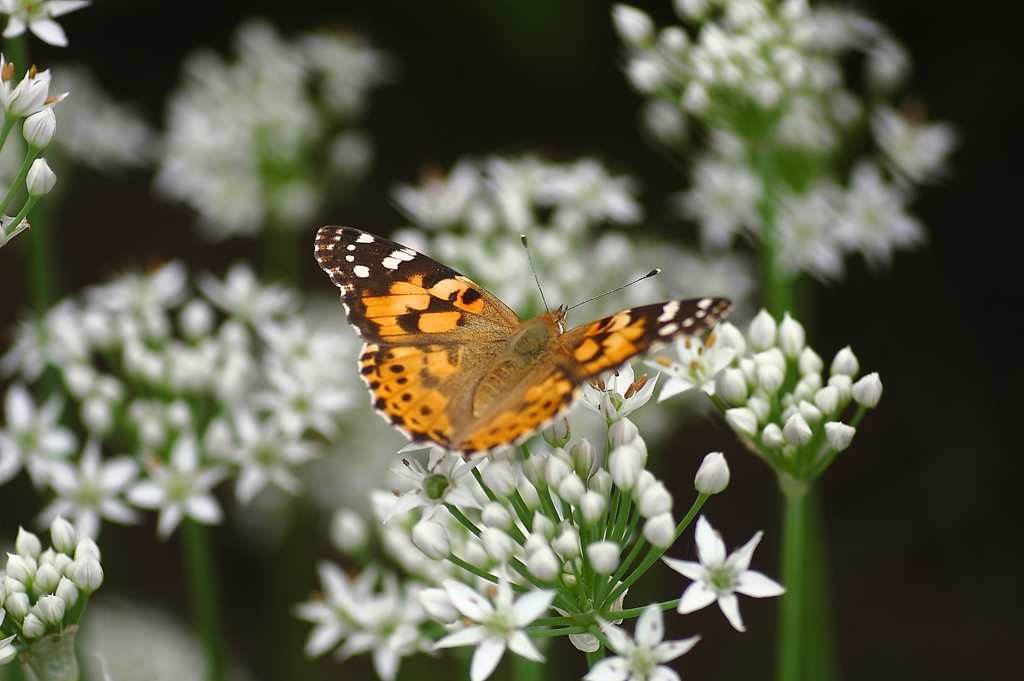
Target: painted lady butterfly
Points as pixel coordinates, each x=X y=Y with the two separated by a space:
x=448 y=362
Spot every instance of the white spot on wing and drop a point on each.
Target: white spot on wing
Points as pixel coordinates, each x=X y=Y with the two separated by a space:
x=351 y=247
x=390 y=263
x=361 y=271
x=668 y=329
x=705 y=303
x=669 y=311
x=350 y=258
x=364 y=238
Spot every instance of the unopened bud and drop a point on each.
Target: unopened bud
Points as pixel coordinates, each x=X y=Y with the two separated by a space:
x=604 y=556
x=713 y=475
x=431 y=538
x=660 y=530
x=868 y=390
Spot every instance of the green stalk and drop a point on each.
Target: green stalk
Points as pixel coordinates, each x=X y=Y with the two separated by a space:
x=199 y=571
x=790 y=659
x=526 y=670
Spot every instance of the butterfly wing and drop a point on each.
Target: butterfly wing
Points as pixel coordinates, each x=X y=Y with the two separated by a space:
x=430 y=331
x=604 y=345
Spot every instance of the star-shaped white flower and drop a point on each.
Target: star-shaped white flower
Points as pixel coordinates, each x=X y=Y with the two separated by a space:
x=444 y=481
x=91 y=491
x=266 y=453
x=37 y=16
x=32 y=437
x=640 y=658
x=620 y=394
x=698 y=363
x=180 y=489
x=498 y=625
x=718 y=577
x=242 y=295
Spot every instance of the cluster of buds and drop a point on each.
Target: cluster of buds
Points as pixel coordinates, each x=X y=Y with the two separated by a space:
x=43 y=595
x=29 y=99
x=770 y=385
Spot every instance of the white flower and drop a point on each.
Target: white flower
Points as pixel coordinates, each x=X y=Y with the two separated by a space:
x=718 y=577
x=91 y=491
x=180 y=489
x=874 y=221
x=498 y=625
x=918 y=150
x=30 y=437
x=806 y=232
x=244 y=297
x=641 y=658
x=620 y=395
x=699 y=363
x=442 y=201
x=266 y=453
x=30 y=94
x=37 y=16
x=445 y=482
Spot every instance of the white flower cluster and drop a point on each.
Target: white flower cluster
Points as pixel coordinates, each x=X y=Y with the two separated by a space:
x=45 y=592
x=496 y=543
x=261 y=142
x=766 y=79
x=770 y=385
x=478 y=211
x=29 y=99
x=191 y=386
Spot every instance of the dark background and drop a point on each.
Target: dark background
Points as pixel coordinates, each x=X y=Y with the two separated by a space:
x=923 y=514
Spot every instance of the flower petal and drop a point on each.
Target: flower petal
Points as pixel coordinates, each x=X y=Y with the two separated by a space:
x=670 y=650
x=522 y=645
x=49 y=31
x=609 y=669
x=710 y=547
x=469 y=602
x=730 y=606
x=467 y=636
x=486 y=658
x=650 y=627
x=740 y=558
x=753 y=583
x=530 y=606
x=696 y=596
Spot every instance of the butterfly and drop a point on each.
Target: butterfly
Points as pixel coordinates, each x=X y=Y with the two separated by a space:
x=447 y=362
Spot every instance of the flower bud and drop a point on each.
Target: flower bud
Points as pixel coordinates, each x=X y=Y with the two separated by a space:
x=40 y=179
x=673 y=41
x=660 y=530
x=50 y=609
x=796 y=431
x=438 y=605
x=86 y=573
x=497 y=544
x=535 y=470
x=496 y=515
x=27 y=544
x=39 y=128
x=349 y=532
x=811 y=413
x=633 y=26
x=827 y=400
x=695 y=98
x=845 y=362
x=567 y=543
x=655 y=500
x=17 y=604
x=643 y=482
x=592 y=506
x=529 y=494
x=557 y=469
x=761 y=332
x=431 y=538
x=500 y=477
x=601 y=482
x=32 y=626
x=844 y=384
x=771 y=357
x=473 y=552
x=771 y=436
x=543 y=564
x=839 y=435
x=868 y=390
x=583 y=457
x=7 y=652
x=792 y=337
x=558 y=433
x=810 y=362
x=604 y=556
x=571 y=488
x=47 y=578
x=770 y=378
x=712 y=475
x=543 y=525
x=625 y=464
x=731 y=386
x=23 y=569
x=664 y=121
x=87 y=547
x=67 y=590
x=622 y=432
x=742 y=420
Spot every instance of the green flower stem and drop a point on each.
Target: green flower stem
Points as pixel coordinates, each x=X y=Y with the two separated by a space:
x=598 y=655
x=19 y=181
x=16 y=49
x=203 y=594
x=526 y=670
x=790 y=662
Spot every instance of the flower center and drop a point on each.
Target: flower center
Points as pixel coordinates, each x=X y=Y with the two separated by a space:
x=434 y=486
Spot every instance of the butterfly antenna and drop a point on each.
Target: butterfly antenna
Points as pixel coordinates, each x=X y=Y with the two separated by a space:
x=646 y=276
x=534 y=270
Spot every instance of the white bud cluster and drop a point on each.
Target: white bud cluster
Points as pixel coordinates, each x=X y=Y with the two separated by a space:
x=782 y=401
x=41 y=588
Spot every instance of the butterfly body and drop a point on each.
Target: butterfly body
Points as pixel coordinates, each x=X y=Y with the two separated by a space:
x=447 y=362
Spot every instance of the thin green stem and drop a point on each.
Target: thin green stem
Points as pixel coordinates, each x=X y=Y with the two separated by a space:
x=200 y=573
x=19 y=181
x=526 y=670
x=790 y=665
